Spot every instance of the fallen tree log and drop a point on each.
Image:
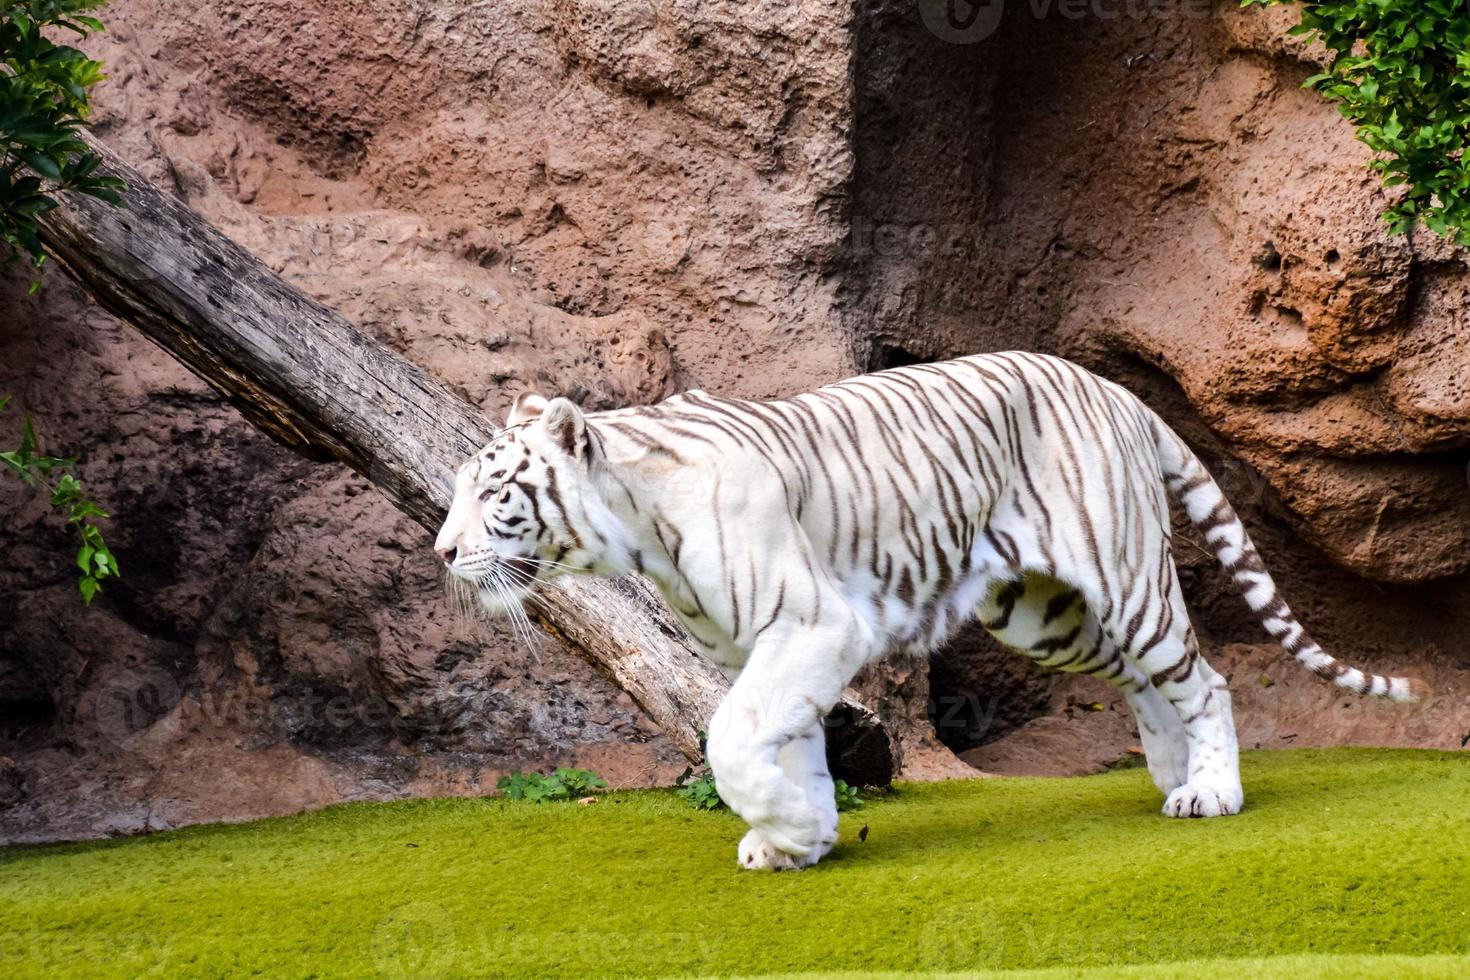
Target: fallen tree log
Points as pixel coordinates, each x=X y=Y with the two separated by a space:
x=313 y=382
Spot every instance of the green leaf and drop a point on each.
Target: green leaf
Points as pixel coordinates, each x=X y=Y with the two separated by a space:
x=846 y=796
x=27 y=439
x=84 y=509
x=18 y=465
x=514 y=785
x=701 y=793
x=31 y=206
x=45 y=464
x=89 y=587
x=67 y=489
x=578 y=781
x=44 y=99
x=42 y=163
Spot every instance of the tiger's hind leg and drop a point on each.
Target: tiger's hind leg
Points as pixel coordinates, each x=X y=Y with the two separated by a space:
x=1154 y=628
x=1048 y=621
x=1165 y=744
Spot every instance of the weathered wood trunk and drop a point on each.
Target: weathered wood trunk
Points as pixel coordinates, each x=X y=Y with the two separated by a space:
x=308 y=378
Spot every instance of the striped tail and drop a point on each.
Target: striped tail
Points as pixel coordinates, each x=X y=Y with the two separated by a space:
x=1191 y=484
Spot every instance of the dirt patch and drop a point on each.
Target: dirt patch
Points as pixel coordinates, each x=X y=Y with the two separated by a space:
x=1278 y=704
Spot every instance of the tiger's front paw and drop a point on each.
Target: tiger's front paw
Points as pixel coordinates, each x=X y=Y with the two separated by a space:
x=755 y=853
x=1203 y=800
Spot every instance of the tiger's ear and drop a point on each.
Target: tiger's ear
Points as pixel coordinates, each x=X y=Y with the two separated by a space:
x=566 y=425
x=528 y=405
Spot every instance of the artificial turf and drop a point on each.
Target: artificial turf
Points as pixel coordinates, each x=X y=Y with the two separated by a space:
x=1345 y=863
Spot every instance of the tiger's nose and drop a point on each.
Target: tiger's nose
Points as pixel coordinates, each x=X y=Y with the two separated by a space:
x=447 y=554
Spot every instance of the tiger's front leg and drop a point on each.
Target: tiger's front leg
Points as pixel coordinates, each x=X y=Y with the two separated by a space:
x=804 y=761
x=767 y=750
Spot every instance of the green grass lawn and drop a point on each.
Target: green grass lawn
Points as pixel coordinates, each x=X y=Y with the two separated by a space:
x=1344 y=863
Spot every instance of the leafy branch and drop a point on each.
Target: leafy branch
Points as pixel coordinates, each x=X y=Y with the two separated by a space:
x=94 y=559
x=1400 y=72
x=44 y=101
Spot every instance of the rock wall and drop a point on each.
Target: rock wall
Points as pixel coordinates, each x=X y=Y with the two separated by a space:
x=1154 y=195
x=615 y=200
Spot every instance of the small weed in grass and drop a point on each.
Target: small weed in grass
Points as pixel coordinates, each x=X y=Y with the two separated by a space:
x=561 y=784
x=847 y=797
x=698 y=789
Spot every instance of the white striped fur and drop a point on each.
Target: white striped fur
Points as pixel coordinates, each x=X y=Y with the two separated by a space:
x=798 y=539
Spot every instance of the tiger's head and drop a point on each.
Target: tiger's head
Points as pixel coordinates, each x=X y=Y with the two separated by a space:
x=520 y=509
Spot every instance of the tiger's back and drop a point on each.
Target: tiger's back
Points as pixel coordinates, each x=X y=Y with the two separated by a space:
x=918 y=487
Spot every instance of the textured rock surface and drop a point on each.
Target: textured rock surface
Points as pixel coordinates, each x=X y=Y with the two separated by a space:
x=1191 y=208
x=615 y=200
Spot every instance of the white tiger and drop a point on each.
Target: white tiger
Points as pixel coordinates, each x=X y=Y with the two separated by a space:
x=799 y=539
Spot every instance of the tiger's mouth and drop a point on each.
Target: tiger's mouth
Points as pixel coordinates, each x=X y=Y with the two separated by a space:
x=501 y=586
x=504 y=585
x=490 y=565
x=500 y=582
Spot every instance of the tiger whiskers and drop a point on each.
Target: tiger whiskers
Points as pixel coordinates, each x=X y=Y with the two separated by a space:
x=497 y=580
x=509 y=584
x=464 y=600
x=508 y=588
